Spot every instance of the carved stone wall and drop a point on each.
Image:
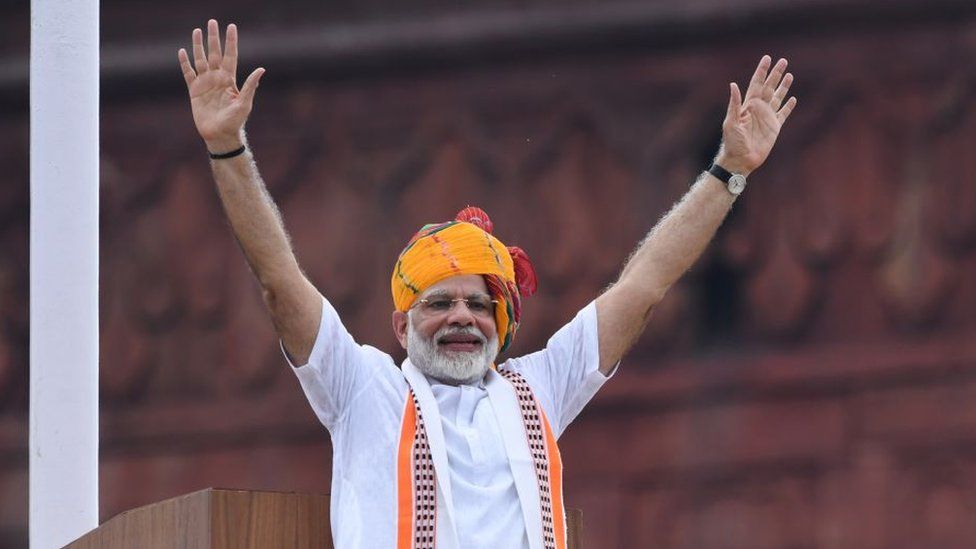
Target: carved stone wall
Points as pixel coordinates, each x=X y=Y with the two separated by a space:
x=810 y=384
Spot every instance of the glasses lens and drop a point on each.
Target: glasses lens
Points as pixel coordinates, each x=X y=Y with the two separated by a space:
x=480 y=305
x=437 y=305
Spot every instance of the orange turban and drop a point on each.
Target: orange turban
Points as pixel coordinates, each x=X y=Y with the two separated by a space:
x=466 y=246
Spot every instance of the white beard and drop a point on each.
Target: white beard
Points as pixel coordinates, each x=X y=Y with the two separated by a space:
x=452 y=367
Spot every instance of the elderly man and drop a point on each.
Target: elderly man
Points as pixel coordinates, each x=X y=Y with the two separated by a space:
x=450 y=450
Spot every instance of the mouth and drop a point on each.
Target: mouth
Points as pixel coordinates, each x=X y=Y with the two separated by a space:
x=461 y=343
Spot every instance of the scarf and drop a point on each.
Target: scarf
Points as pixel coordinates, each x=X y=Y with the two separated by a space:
x=417 y=487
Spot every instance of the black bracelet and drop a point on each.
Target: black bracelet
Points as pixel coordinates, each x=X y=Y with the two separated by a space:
x=231 y=154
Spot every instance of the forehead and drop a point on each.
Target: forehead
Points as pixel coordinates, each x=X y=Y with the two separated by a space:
x=462 y=285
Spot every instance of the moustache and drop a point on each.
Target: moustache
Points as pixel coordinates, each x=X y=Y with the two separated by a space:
x=460 y=331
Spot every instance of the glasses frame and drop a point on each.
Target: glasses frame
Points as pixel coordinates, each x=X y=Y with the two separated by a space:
x=488 y=313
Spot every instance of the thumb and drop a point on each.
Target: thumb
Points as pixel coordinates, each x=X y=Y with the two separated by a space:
x=251 y=85
x=735 y=103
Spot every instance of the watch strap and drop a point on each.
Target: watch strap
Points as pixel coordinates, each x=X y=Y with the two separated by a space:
x=720 y=173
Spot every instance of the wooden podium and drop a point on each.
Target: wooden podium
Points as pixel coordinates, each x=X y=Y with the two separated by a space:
x=233 y=519
x=215 y=518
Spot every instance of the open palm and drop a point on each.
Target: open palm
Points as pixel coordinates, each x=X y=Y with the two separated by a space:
x=219 y=107
x=752 y=124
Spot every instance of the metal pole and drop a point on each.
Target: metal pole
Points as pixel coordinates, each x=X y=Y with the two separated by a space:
x=63 y=271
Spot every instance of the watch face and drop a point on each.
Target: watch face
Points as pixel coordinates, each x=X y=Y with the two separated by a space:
x=737 y=184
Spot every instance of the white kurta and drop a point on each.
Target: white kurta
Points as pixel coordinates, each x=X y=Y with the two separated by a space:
x=487 y=491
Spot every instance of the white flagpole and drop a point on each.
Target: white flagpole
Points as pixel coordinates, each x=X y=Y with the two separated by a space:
x=63 y=271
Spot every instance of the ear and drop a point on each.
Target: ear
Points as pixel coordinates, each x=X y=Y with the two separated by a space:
x=400 y=320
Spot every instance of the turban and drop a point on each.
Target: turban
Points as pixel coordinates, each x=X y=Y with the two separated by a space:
x=465 y=246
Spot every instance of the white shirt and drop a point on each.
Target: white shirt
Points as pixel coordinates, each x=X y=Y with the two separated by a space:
x=487 y=510
x=359 y=394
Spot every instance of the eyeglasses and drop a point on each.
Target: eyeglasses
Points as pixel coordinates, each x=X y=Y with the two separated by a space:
x=481 y=305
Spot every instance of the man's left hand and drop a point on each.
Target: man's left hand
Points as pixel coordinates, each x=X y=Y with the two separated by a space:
x=752 y=124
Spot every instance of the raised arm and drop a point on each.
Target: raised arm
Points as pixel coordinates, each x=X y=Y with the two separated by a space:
x=220 y=110
x=749 y=132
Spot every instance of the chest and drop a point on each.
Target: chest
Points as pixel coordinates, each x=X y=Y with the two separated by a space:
x=472 y=436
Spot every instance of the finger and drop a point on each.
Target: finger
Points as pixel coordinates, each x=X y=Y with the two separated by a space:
x=199 y=59
x=251 y=85
x=735 y=103
x=781 y=91
x=229 y=62
x=775 y=75
x=188 y=73
x=758 y=77
x=787 y=109
x=213 y=44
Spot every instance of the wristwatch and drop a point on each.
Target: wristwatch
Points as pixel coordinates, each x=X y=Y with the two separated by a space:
x=734 y=182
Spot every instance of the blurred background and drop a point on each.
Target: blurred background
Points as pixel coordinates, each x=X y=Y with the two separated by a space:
x=811 y=383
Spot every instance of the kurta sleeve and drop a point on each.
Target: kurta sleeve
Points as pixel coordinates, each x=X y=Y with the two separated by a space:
x=565 y=375
x=338 y=368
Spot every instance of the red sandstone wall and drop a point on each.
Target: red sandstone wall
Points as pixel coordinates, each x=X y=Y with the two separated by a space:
x=810 y=384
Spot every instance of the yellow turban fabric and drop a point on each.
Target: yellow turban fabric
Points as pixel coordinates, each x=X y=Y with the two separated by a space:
x=465 y=246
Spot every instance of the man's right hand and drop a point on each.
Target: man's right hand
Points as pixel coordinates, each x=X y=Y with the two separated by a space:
x=220 y=109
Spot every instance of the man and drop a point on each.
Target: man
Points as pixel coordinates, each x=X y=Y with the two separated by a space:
x=449 y=450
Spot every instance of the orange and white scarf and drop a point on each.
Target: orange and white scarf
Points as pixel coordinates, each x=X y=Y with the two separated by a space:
x=423 y=475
